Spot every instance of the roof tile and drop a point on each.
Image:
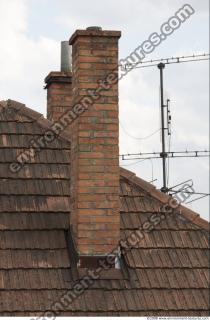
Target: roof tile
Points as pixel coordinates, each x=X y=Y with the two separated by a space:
x=166 y=273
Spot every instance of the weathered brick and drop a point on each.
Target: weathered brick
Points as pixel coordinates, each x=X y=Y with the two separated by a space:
x=91 y=212
x=94 y=226
x=59 y=93
x=95 y=143
x=97 y=241
x=98 y=234
x=112 y=107
x=94 y=249
x=85 y=169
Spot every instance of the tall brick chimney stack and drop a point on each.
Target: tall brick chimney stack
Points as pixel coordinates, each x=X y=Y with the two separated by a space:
x=95 y=212
x=59 y=86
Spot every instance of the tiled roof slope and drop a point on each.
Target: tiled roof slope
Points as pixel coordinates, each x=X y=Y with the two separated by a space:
x=167 y=272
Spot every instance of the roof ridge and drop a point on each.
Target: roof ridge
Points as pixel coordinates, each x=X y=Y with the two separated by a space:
x=164 y=198
x=36 y=116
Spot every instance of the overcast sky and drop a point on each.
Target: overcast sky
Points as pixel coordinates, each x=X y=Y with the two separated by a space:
x=31 y=31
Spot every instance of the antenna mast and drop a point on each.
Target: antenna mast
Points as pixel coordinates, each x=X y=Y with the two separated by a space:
x=163 y=154
x=165 y=115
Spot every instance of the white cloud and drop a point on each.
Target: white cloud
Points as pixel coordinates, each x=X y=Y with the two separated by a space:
x=24 y=61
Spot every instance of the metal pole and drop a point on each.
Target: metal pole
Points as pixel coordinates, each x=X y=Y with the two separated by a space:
x=163 y=154
x=65 y=56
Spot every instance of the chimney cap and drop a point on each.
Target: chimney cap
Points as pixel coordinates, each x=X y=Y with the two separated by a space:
x=94 y=28
x=94 y=32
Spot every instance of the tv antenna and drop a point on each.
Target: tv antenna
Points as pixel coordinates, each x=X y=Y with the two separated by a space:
x=165 y=115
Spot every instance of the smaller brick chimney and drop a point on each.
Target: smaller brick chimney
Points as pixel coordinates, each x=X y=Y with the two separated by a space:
x=59 y=86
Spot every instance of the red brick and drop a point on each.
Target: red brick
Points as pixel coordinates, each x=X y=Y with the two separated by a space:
x=95 y=226
x=85 y=169
x=59 y=94
x=112 y=107
x=98 y=241
x=90 y=212
x=95 y=145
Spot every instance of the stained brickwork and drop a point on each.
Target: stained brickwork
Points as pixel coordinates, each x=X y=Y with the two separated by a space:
x=59 y=95
x=95 y=144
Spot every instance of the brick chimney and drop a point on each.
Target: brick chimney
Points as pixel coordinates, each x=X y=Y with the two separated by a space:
x=95 y=212
x=59 y=86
